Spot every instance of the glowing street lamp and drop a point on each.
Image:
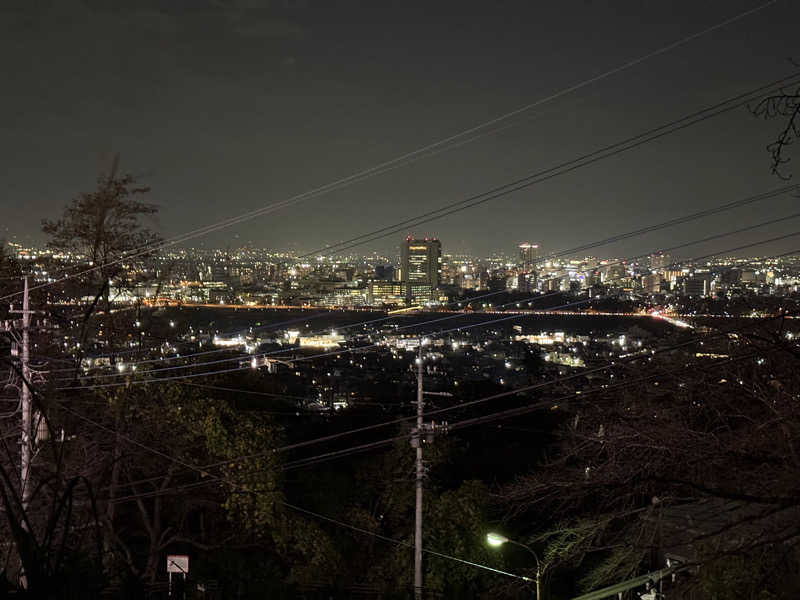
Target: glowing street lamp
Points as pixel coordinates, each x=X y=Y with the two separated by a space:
x=495 y=540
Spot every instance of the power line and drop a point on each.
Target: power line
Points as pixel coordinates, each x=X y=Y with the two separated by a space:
x=546 y=174
x=479 y=420
x=516 y=316
x=535 y=406
x=280 y=324
x=410 y=156
x=511 y=412
x=648 y=229
x=242 y=391
x=307 y=461
x=450 y=317
x=461 y=424
x=289 y=505
x=400 y=542
x=483 y=400
x=461 y=406
x=618 y=237
x=680 y=220
x=361 y=349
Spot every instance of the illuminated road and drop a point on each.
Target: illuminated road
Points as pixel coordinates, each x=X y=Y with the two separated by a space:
x=678 y=319
x=437 y=310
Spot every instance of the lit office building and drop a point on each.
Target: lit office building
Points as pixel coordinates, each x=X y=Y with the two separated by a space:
x=651 y=284
x=660 y=261
x=422 y=269
x=528 y=255
x=382 y=292
x=696 y=287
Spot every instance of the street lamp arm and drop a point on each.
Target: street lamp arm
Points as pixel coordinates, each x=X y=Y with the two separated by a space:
x=529 y=549
x=497 y=539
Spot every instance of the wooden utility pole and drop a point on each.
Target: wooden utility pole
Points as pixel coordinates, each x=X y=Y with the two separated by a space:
x=420 y=475
x=26 y=436
x=424 y=431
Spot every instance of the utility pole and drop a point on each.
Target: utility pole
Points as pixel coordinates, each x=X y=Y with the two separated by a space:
x=420 y=475
x=423 y=432
x=26 y=437
x=25 y=462
x=30 y=429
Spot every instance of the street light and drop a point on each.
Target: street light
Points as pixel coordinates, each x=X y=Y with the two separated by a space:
x=495 y=540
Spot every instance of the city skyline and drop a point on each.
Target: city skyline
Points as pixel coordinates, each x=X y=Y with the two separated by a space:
x=511 y=254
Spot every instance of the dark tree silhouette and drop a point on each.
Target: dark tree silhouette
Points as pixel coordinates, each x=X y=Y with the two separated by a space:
x=10 y=276
x=104 y=228
x=696 y=459
x=783 y=106
x=104 y=225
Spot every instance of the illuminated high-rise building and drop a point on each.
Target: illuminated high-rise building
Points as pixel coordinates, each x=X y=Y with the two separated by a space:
x=651 y=284
x=696 y=287
x=422 y=268
x=528 y=255
x=660 y=261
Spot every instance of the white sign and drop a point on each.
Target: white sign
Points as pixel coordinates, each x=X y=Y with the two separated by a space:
x=178 y=563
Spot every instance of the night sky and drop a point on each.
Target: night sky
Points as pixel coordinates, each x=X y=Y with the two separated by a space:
x=229 y=105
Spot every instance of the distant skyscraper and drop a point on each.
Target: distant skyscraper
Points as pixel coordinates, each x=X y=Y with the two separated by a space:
x=651 y=284
x=696 y=286
x=660 y=261
x=528 y=255
x=422 y=268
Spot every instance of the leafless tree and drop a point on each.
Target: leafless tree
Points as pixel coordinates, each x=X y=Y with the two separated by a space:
x=783 y=106
x=696 y=459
